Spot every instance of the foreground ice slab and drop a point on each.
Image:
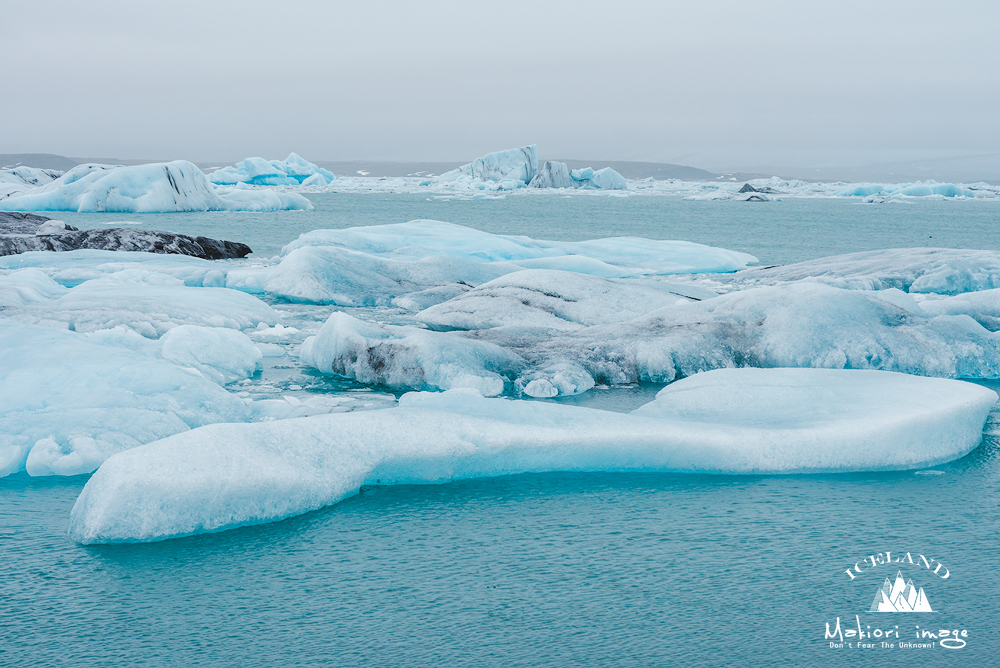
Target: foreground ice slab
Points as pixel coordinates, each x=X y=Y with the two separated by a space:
x=729 y=421
x=293 y=171
x=151 y=188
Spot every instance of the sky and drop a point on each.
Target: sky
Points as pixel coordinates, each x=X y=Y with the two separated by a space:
x=717 y=84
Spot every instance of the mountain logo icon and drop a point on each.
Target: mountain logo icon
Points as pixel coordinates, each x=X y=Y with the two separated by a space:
x=900 y=596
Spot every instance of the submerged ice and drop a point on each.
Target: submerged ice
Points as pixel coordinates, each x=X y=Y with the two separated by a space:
x=727 y=421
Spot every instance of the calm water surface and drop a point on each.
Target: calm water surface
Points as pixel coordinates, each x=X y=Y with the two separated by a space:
x=776 y=232
x=555 y=569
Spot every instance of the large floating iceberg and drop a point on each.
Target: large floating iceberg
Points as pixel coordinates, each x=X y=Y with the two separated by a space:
x=293 y=171
x=374 y=265
x=18 y=180
x=558 y=175
x=151 y=188
x=506 y=170
x=730 y=422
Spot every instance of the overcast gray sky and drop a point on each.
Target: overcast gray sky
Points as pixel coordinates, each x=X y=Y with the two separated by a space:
x=719 y=84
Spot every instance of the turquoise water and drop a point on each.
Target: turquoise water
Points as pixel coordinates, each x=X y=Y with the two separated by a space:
x=776 y=232
x=555 y=569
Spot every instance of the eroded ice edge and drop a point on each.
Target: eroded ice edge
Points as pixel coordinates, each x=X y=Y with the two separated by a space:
x=730 y=421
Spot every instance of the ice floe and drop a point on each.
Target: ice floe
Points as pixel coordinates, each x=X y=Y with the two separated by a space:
x=427 y=260
x=293 y=171
x=743 y=421
x=70 y=401
x=920 y=270
x=801 y=324
x=551 y=299
x=154 y=187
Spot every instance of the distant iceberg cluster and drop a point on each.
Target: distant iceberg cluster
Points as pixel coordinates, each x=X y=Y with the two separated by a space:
x=152 y=188
x=258 y=184
x=518 y=167
x=293 y=171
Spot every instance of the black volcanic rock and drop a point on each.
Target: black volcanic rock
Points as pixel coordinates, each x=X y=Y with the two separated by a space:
x=18 y=235
x=765 y=189
x=12 y=222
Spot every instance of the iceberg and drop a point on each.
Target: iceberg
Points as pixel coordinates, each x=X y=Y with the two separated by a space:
x=407 y=357
x=383 y=264
x=17 y=180
x=293 y=171
x=151 y=188
x=74 y=267
x=70 y=401
x=558 y=175
x=550 y=299
x=746 y=421
x=146 y=302
x=553 y=175
x=917 y=189
x=945 y=271
x=794 y=325
x=506 y=170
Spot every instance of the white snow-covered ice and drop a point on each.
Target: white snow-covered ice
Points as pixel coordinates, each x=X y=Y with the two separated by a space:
x=156 y=187
x=746 y=421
